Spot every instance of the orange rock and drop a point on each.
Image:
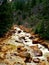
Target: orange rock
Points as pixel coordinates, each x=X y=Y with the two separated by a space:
x=2 y=55
x=40 y=41
x=23 y=49
x=36 y=50
x=24 y=54
x=21 y=27
x=36 y=60
x=4 y=48
x=36 y=40
x=42 y=63
x=38 y=53
x=45 y=44
x=32 y=33
x=48 y=59
x=48 y=46
x=34 y=47
x=26 y=30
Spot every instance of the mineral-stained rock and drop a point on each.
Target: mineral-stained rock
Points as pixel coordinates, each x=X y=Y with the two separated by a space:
x=36 y=60
x=38 y=53
x=42 y=63
x=36 y=40
x=48 y=59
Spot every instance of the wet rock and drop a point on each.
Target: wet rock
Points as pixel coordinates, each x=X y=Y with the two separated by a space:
x=36 y=60
x=38 y=53
x=22 y=38
x=19 y=31
x=48 y=59
x=42 y=63
x=31 y=37
x=36 y=40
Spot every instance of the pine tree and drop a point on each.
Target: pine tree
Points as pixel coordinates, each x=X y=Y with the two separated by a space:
x=47 y=31
x=40 y=28
x=33 y=3
x=6 y=17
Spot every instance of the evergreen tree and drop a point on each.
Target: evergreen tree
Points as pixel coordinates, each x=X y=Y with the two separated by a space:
x=40 y=29
x=33 y=3
x=6 y=17
x=47 y=31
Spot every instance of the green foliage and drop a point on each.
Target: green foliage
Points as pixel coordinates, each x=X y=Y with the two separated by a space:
x=42 y=29
x=38 y=1
x=6 y=17
x=33 y=3
x=19 y=5
x=41 y=9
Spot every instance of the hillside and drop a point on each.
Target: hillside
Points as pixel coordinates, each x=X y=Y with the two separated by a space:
x=22 y=48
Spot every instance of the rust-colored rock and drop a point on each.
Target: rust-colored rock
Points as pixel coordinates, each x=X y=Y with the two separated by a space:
x=31 y=37
x=21 y=49
x=36 y=60
x=45 y=44
x=38 y=53
x=42 y=63
x=24 y=54
x=48 y=59
x=36 y=40
x=34 y=47
x=41 y=41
